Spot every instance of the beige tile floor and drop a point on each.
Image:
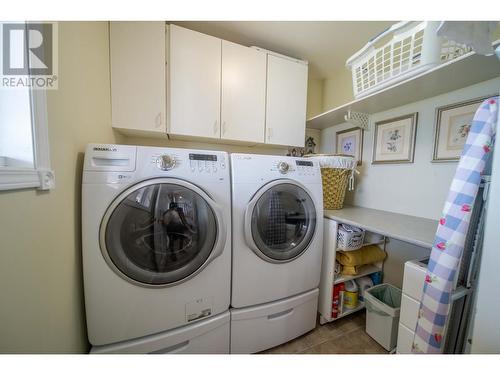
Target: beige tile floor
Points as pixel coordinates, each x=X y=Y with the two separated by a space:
x=344 y=336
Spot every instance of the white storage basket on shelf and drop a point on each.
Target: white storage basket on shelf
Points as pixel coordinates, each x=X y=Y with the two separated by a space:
x=349 y=237
x=413 y=49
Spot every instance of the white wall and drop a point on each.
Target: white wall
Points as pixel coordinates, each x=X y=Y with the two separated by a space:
x=337 y=90
x=314 y=97
x=419 y=188
x=41 y=291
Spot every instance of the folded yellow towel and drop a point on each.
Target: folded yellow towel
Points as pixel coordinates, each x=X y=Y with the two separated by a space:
x=349 y=270
x=365 y=255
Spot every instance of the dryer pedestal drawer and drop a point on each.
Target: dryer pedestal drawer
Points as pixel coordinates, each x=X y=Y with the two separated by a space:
x=261 y=327
x=208 y=336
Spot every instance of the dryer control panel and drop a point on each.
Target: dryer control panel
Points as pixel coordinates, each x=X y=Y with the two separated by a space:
x=301 y=167
x=305 y=168
x=251 y=168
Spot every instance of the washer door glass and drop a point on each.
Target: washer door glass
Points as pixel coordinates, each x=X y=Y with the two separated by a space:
x=160 y=233
x=283 y=222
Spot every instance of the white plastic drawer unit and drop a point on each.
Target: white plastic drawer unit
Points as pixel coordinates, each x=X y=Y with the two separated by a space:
x=261 y=327
x=405 y=340
x=409 y=311
x=413 y=285
x=209 y=336
x=414 y=277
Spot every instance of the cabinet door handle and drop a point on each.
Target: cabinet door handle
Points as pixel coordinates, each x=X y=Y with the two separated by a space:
x=224 y=127
x=158 y=120
x=269 y=132
x=216 y=128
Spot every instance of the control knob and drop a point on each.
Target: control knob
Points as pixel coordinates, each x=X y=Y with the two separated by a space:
x=165 y=162
x=283 y=167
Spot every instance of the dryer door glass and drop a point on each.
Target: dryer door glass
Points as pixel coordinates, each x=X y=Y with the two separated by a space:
x=283 y=222
x=160 y=234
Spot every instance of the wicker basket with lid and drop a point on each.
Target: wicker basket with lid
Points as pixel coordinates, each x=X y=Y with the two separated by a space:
x=337 y=172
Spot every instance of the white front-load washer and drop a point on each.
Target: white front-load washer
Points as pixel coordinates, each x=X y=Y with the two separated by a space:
x=156 y=245
x=277 y=249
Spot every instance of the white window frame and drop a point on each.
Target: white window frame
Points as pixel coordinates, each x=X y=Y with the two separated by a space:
x=41 y=176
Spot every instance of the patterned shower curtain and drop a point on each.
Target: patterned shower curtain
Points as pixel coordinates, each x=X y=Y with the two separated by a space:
x=452 y=230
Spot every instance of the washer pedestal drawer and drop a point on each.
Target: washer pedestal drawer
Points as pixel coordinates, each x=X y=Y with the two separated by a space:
x=208 y=336
x=261 y=327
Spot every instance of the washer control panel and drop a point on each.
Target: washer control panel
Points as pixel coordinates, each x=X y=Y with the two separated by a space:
x=206 y=163
x=198 y=163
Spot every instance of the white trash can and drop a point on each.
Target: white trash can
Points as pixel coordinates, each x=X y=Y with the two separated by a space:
x=383 y=303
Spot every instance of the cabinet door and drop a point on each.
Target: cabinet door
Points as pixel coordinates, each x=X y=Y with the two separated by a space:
x=286 y=101
x=195 y=83
x=138 y=83
x=243 y=108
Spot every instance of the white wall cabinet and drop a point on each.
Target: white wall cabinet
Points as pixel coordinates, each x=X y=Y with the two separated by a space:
x=195 y=83
x=175 y=81
x=243 y=107
x=286 y=101
x=138 y=77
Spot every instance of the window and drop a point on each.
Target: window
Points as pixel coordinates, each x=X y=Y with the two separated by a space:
x=24 y=151
x=16 y=145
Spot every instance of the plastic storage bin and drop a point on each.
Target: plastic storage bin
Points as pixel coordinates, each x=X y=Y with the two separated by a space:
x=383 y=303
x=349 y=237
x=413 y=49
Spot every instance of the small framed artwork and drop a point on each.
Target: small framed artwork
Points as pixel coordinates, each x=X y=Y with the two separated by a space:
x=350 y=142
x=394 y=140
x=452 y=127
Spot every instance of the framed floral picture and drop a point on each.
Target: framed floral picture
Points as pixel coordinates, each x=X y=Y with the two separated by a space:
x=452 y=127
x=350 y=142
x=394 y=140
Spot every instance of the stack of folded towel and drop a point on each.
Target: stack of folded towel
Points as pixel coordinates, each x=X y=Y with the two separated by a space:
x=352 y=260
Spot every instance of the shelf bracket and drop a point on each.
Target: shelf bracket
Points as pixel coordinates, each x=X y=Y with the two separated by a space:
x=358 y=119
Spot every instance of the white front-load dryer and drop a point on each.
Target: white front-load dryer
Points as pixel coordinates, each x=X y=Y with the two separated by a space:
x=277 y=249
x=277 y=227
x=156 y=241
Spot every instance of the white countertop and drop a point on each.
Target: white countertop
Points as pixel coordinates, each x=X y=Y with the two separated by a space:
x=412 y=229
